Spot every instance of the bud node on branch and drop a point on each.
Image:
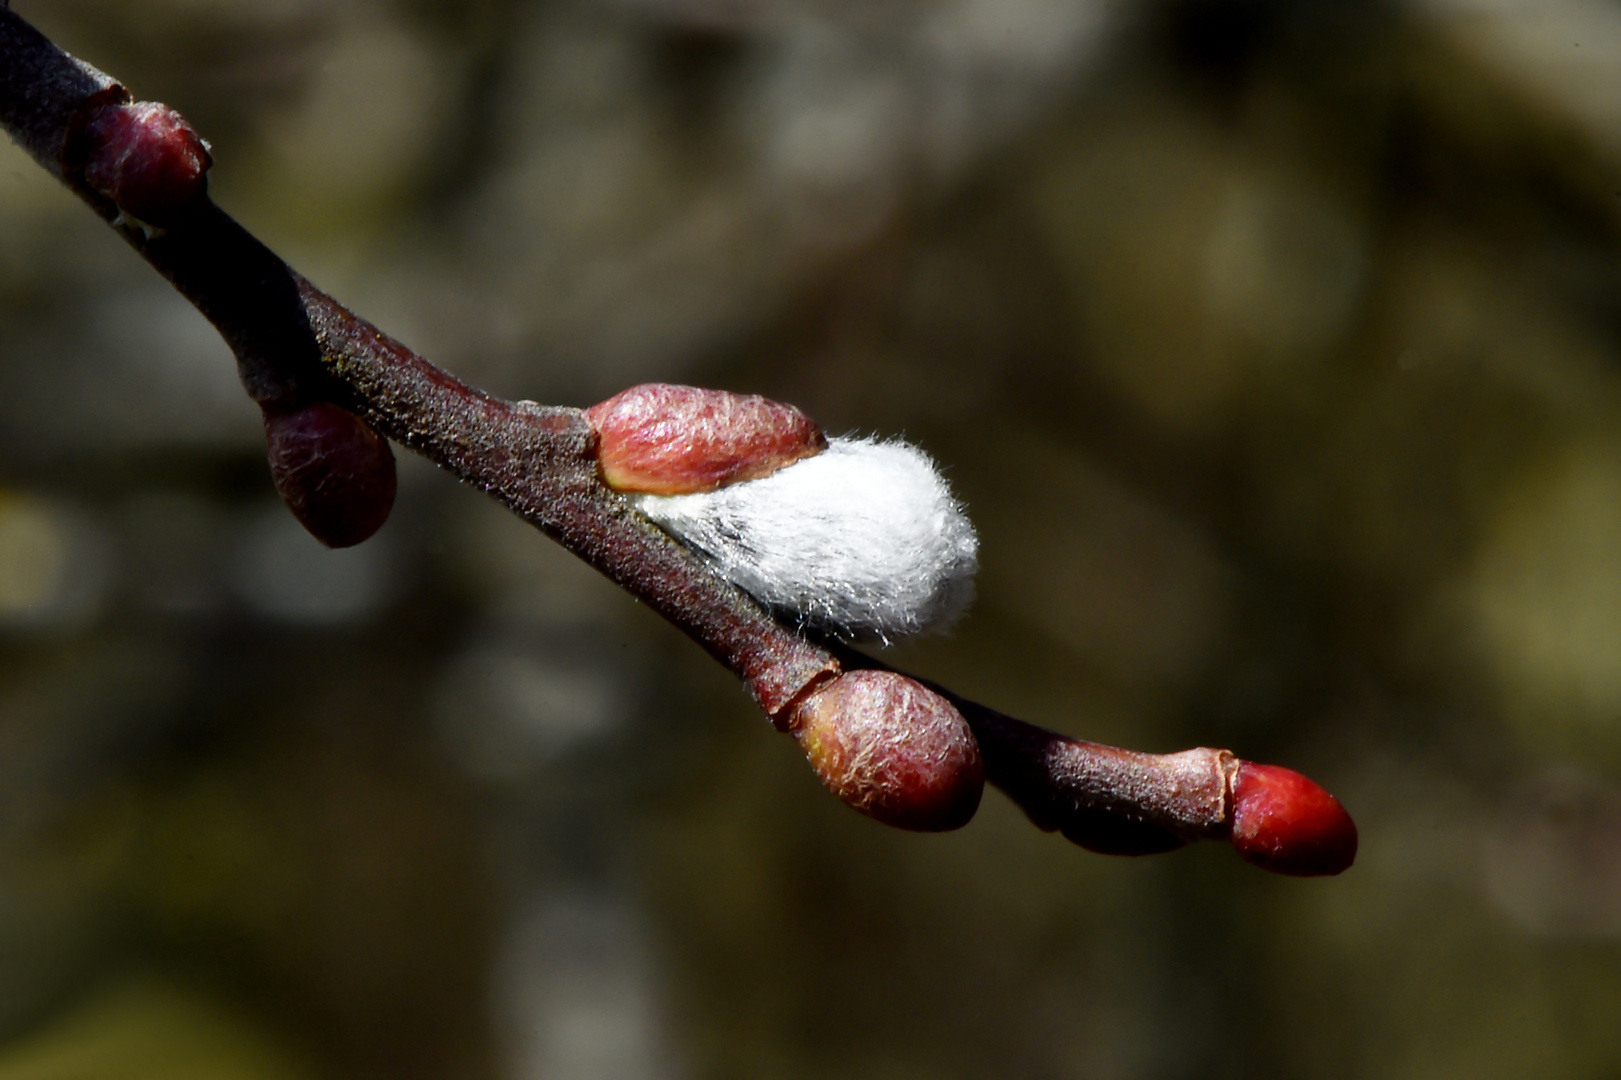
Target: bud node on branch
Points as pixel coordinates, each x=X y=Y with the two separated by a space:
x=660 y=439
x=144 y=157
x=892 y=748
x=333 y=471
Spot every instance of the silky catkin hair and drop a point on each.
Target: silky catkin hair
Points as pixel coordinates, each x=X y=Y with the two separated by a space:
x=863 y=541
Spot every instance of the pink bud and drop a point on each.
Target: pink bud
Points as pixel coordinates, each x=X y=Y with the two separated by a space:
x=893 y=749
x=146 y=159
x=676 y=440
x=333 y=471
x=1286 y=823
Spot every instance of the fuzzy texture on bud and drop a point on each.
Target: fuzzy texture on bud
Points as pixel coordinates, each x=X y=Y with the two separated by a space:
x=893 y=749
x=1286 y=823
x=333 y=471
x=147 y=160
x=863 y=541
x=673 y=440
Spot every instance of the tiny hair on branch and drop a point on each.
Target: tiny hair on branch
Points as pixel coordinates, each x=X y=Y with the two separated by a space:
x=771 y=545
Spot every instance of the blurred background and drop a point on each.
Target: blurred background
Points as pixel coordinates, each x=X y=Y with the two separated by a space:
x=1273 y=346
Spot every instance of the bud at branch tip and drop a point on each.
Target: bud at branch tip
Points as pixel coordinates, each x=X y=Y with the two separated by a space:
x=1286 y=823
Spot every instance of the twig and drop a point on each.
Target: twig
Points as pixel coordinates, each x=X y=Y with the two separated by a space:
x=296 y=345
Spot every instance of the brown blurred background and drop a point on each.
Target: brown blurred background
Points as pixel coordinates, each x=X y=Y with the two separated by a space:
x=1274 y=345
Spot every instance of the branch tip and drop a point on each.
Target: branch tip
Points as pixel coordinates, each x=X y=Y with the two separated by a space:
x=1287 y=823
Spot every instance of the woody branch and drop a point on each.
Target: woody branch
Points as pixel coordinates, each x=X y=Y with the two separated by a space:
x=314 y=367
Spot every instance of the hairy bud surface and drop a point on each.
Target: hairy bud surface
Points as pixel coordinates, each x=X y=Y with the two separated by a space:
x=893 y=749
x=333 y=471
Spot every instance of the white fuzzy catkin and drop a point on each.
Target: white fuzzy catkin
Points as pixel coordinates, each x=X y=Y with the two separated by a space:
x=861 y=541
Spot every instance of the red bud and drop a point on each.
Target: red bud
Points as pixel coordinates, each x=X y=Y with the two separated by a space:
x=333 y=471
x=146 y=159
x=675 y=440
x=892 y=749
x=1286 y=823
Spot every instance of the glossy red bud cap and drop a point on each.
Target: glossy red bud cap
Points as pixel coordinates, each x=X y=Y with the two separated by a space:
x=660 y=439
x=893 y=749
x=146 y=159
x=333 y=471
x=1285 y=823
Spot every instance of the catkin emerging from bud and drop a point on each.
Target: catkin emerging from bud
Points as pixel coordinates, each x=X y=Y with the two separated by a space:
x=333 y=471
x=854 y=538
x=893 y=749
x=861 y=542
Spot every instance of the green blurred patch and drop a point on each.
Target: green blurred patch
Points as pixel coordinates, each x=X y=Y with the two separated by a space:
x=139 y=1028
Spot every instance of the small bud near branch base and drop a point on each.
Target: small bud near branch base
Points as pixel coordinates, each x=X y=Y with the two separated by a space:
x=332 y=470
x=147 y=159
